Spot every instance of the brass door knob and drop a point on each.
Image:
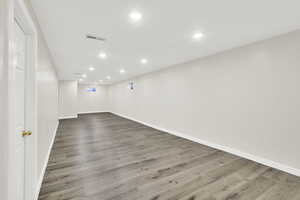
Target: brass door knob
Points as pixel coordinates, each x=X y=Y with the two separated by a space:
x=26 y=133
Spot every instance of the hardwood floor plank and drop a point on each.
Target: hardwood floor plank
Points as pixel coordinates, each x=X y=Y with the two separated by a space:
x=106 y=157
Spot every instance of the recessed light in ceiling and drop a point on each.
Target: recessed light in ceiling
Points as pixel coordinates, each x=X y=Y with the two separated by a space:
x=80 y=80
x=91 y=68
x=108 y=77
x=144 y=61
x=122 y=71
x=84 y=75
x=135 y=16
x=198 y=36
x=102 y=55
x=100 y=81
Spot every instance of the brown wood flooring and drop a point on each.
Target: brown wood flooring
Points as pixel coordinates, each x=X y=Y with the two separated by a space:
x=106 y=157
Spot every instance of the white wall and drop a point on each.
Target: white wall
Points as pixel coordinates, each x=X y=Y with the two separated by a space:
x=92 y=101
x=47 y=97
x=246 y=99
x=68 y=102
x=47 y=104
x=5 y=12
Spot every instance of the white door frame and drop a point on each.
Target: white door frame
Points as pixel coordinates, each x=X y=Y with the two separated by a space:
x=22 y=16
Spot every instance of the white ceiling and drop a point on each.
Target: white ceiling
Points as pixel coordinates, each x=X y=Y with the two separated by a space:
x=163 y=36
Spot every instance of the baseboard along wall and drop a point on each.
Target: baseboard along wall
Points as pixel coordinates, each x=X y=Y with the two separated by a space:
x=230 y=150
x=93 y=112
x=69 y=117
x=40 y=180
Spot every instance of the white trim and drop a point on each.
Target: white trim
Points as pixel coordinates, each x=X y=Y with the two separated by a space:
x=236 y=152
x=69 y=117
x=40 y=180
x=93 y=112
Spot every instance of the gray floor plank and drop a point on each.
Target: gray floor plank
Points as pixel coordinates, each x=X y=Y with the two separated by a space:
x=106 y=157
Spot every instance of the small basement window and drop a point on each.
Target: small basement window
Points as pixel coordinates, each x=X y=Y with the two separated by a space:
x=91 y=89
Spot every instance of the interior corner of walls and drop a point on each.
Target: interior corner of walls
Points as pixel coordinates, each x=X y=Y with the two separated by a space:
x=68 y=103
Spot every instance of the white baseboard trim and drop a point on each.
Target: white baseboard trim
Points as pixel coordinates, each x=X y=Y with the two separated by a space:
x=69 y=117
x=230 y=150
x=92 y=112
x=40 y=180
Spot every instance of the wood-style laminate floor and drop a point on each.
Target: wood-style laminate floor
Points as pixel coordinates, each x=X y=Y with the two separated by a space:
x=106 y=157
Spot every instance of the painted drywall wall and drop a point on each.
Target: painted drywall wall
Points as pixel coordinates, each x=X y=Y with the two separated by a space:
x=68 y=99
x=92 y=101
x=245 y=99
x=47 y=100
x=47 y=104
x=47 y=89
x=5 y=8
x=75 y=98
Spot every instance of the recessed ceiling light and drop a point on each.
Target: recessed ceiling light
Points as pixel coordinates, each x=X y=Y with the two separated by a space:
x=198 y=35
x=100 y=81
x=80 y=80
x=144 y=61
x=91 y=68
x=122 y=71
x=83 y=75
x=108 y=77
x=135 y=16
x=102 y=55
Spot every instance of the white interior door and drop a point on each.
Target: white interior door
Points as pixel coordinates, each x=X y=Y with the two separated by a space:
x=20 y=108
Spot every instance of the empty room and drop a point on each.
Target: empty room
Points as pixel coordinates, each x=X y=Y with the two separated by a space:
x=149 y=100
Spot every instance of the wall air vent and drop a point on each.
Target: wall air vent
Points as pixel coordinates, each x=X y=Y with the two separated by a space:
x=93 y=37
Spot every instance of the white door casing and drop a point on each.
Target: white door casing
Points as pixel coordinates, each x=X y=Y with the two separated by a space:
x=20 y=73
